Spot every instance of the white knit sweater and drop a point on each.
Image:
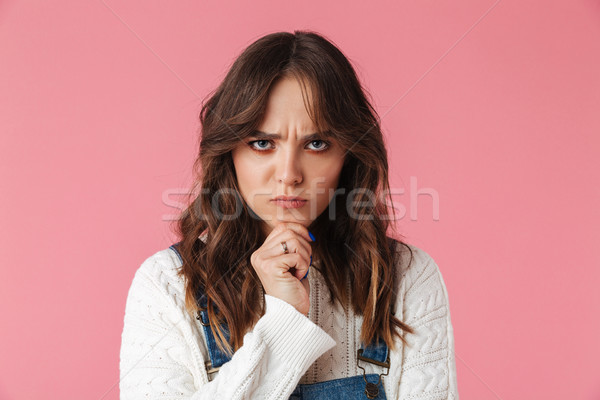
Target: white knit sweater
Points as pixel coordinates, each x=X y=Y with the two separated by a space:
x=163 y=349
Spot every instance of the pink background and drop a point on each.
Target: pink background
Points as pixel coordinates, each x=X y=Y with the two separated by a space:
x=492 y=106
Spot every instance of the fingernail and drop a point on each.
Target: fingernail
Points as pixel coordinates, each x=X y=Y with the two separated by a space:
x=305 y=275
x=310 y=261
x=311 y=236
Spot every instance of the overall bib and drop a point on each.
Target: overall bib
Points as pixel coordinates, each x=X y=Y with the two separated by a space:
x=365 y=386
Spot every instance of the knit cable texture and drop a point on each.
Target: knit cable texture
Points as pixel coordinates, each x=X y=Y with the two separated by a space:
x=163 y=349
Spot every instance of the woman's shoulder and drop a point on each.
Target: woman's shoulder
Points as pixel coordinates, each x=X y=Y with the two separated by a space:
x=423 y=305
x=415 y=265
x=411 y=257
x=160 y=272
x=165 y=261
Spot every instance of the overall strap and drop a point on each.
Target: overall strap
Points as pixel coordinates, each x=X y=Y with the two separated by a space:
x=376 y=353
x=217 y=357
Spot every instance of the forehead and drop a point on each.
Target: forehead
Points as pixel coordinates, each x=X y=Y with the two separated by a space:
x=288 y=102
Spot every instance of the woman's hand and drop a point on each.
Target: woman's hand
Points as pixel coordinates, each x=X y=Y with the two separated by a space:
x=281 y=273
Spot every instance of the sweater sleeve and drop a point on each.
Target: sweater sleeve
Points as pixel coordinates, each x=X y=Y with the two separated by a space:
x=160 y=353
x=428 y=365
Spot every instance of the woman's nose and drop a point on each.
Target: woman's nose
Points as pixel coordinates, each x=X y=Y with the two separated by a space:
x=288 y=169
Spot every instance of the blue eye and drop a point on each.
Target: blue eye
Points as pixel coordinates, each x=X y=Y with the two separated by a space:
x=251 y=144
x=261 y=145
x=325 y=145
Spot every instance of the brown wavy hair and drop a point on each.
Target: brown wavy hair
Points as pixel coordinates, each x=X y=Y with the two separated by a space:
x=352 y=250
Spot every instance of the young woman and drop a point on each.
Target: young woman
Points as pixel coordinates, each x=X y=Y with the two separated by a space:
x=284 y=283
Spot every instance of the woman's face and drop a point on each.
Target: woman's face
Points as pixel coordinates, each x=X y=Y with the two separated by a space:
x=289 y=161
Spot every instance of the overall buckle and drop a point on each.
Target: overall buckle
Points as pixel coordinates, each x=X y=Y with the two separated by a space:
x=372 y=389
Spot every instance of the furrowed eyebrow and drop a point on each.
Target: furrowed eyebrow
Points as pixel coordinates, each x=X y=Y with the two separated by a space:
x=268 y=136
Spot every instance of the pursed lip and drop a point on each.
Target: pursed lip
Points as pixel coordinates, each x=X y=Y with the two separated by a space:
x=288 y=198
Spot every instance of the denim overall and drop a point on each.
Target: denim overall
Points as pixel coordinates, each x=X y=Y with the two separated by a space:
x=365 y=386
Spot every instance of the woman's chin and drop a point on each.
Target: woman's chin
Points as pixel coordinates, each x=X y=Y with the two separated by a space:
x=274 y=221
